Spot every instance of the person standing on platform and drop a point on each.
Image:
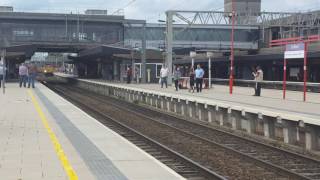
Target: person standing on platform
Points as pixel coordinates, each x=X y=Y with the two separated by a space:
x=192 y=77
x=129 y=75
x=199 y=78
x=258 y=77
x=23 y=75
x=2 y=71
x=176 y=77
x=164 y=76
x=32 y=73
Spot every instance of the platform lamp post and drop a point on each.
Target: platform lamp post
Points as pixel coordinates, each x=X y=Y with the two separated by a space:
x=143 y=53
x=193 y=54
x=169 y=44
x=136 y=74
x=232 y=48
x=133 y=61
x=305 y=71
x=209 y=55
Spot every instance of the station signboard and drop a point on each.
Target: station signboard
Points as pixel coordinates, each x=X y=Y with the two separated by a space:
x=294 y=51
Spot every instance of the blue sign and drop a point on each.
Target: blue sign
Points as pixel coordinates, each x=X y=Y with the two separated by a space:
x=295 y=47
x=294 y=51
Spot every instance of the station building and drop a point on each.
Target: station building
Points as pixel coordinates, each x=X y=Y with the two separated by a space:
x=107 y=44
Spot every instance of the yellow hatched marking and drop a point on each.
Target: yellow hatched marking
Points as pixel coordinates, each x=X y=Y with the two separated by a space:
x=59 y=151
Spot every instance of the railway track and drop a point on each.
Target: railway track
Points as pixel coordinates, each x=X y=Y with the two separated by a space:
x=182 y=165
x=239 y=158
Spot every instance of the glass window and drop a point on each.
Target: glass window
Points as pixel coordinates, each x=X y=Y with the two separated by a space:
x=94 y=37
x=158 y=66
x=83 y=36
x=23 y=32
x=138 y=70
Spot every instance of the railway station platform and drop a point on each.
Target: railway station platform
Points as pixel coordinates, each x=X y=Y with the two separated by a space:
x=270 y=101
x=290 y=121
x=243 y=95
x=43 y=136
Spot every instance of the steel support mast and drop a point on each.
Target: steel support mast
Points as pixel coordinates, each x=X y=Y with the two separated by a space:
x=169 y=44
x=232 y=49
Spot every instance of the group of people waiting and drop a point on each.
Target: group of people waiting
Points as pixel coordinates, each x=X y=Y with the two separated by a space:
x=27 y=73
x=196 y=77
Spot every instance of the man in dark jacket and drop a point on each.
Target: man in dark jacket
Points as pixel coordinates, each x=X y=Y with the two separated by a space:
x=32 y=69
x=129 y=75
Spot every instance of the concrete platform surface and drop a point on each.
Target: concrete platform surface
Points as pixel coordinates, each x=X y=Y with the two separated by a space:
x=48 y=140
x=270 y=103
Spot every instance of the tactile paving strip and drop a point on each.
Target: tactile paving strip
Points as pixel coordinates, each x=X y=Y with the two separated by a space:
x=99 y=164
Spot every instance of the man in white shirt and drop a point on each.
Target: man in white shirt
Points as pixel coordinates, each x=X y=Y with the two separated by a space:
x=258 y=77
x=23 y=74
x=199 y=72
x=164 y=76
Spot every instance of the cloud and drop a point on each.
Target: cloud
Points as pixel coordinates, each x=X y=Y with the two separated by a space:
x=31 y=5
x=144 y=10
x=290 y=5
x=61 y=5
x=139 y=9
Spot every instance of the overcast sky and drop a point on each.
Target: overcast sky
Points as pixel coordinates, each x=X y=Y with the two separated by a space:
x=151 y=10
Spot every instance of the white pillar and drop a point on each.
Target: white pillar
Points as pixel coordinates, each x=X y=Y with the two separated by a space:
x=175 y=106
x=308 y=141
x=162 y=103
x=182 y=109
x=286 y=135
x=168 y=105
x=149 y=75
x=192 y=55
x=115 y=71
x=151 y=99
x=209 y=55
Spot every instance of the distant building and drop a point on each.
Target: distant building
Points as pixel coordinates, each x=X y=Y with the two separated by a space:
x=243 y=6
x=96 y=12
x=56 y=58
x=247 y=10
x=6 y=9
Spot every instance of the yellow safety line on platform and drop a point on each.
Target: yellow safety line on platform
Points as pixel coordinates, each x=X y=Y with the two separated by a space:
x=63 y=158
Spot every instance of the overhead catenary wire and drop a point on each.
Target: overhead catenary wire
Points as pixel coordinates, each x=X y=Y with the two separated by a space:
x=127 y=5
x=179 y=5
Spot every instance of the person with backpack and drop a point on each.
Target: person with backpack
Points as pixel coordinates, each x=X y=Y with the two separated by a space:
x=191 y=81
x=176 y=77
x=32 y=73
